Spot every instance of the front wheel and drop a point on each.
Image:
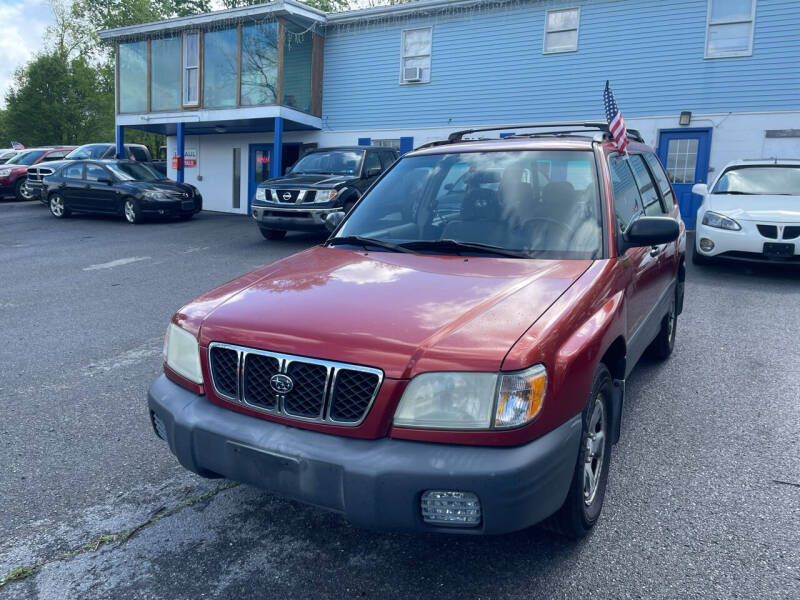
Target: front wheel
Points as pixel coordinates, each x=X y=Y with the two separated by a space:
x=581 y=509
x=22 y=191
x=131 y=210
x=57 y=206
x=272 y=234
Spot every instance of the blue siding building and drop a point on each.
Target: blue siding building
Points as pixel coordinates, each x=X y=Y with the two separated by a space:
x=705 y=81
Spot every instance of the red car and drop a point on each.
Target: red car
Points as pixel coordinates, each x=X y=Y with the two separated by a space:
x=453 y=358
x=13 y=173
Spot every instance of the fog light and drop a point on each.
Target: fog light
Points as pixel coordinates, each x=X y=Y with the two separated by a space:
x=158 y=426
x=453 y=509
x=706 y=245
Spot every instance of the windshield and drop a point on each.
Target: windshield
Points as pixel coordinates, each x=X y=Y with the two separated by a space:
x=26 y=158
x=333 y=162
x=774 y=180
x=89 y=151
x=535 y=203
x=134 y=172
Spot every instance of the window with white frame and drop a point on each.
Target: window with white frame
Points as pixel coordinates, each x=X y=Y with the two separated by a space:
x=730 y=28
x=191 y=68
x=387 y=143
x=561 y=30
x=416 y=64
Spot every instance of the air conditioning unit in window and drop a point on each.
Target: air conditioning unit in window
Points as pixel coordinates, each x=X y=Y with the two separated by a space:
x=412 y=74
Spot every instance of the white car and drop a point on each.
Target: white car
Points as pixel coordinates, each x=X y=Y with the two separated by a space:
x=751 y=213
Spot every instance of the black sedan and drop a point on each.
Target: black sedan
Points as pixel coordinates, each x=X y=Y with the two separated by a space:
x=119 y=187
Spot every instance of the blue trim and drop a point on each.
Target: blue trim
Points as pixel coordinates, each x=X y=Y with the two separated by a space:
x=406 y=144
x=181 y=146
x=120 y=139
x=507 y=134
x=251 y=170
x=687 y=201
x=276 y=159
x=365 y=141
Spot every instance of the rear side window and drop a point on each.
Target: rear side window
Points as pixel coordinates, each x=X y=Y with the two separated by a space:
x=372 y=161
x=647 y=187
x=387 y=158
x=95 y=172
x=627 y=201
x=73 y=171
x=661 y=180
x=57 y=155
x=138 y=153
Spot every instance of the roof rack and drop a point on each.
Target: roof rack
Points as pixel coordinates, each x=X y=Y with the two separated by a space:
x=601 y=126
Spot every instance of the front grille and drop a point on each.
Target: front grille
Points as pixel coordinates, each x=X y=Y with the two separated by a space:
x=38 y=173
x=768 y=231
x=294 y=214
x=287 y=196
x=790 y=232
x=310 y=196
x=224 y=371
x=351 y=395
x=321 y=391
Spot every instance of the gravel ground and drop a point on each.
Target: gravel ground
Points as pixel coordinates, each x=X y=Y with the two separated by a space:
x=703 y=501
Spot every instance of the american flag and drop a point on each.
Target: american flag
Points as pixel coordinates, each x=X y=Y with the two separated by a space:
x=17 y=146
x=616 y=124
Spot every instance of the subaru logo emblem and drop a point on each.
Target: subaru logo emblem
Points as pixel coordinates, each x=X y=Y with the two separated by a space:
x=286 y=196
x=281 y=384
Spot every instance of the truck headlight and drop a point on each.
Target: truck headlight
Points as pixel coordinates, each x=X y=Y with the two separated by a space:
x=472 y=400
x=261 y=194
x=719 y=221
x=182 y=354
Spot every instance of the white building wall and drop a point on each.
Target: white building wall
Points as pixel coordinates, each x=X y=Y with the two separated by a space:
x=734 y=136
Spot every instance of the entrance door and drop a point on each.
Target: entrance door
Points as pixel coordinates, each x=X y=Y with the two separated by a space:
x=685 y=152
x=260 y=155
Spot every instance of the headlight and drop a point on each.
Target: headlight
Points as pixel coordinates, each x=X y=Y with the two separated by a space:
x=154 y=195
x=261 y=194
x=719 y=221
x=5 y=172
x=329 y=196
x=472 y=400
x=182 y=354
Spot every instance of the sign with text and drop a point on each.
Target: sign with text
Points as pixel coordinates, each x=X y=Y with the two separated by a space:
x=190 y=158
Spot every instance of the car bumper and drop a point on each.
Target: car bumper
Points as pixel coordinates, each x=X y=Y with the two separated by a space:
x=746 y=244
x=374 y=483
x=173 y=207
x=292 y=219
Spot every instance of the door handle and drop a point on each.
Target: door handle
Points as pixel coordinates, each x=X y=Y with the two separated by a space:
x=655 y=250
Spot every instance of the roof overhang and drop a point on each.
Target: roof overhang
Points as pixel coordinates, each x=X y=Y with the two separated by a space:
x=409 y=9
x=222 y=121
x=289 y=8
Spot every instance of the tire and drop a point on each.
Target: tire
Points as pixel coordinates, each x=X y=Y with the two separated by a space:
x=131 y=211
x=697 y=258
x=584 y=501
x=21 y=191
x=273 y=234
x=661 y=347
x=58 y=207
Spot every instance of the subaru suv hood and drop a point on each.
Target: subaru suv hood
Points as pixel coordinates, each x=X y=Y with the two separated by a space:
x=402 y=313
x=764 y=209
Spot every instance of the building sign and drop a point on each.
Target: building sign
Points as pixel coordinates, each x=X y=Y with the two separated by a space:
x=190 y=158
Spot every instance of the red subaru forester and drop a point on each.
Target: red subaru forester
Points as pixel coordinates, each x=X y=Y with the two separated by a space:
x=453 y=358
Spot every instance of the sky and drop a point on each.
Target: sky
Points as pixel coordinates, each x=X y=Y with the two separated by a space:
x=22 y=26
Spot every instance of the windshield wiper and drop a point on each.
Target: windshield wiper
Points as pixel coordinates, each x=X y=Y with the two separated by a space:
x=357 y=240
x=456 y=246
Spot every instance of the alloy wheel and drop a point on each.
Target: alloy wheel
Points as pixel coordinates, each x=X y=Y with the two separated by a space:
x=25 y=191
x=594 y=450
x=57 y=205
x=130 y=211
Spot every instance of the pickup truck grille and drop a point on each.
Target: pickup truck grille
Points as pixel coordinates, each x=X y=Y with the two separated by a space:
x=318 y=390
x=36 y=174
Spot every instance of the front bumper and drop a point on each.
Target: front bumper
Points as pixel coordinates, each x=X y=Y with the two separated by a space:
x=168 y=208
x=746 y=244
x=374 y=483
x=294 y=219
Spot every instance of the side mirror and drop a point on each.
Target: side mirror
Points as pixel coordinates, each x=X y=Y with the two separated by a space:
x=333 y=220
x=701 y=189
x=372 y=172
x=106 y=180
x=651 y=231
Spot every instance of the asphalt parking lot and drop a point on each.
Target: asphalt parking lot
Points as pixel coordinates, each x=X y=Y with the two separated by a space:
x=703 y=501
